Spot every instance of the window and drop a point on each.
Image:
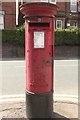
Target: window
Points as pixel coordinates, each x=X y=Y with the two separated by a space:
x=1 y=22
x=73 y=23
x=73 y=5
x=44 y=1
x=53 y=1
x=79 y=7
x=59 y=24
x=2 y=12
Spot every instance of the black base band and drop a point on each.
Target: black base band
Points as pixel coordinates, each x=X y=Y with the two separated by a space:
x=39 y=105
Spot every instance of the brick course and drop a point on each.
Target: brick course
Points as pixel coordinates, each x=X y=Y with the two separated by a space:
x=10 y=14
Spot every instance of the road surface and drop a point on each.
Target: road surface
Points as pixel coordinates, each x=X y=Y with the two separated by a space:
x=14 y=77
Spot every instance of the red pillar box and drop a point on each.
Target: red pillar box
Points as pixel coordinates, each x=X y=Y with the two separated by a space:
x=39 y=49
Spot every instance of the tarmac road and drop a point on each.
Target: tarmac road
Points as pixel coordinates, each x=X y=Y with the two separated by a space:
x=65 y=77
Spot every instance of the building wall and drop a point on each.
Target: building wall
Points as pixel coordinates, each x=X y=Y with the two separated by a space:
x=72 y=16
x=67 y=17
x=60 y=16
x=61 y=5
x=10 y=14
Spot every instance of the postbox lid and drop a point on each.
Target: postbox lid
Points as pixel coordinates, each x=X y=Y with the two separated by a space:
x=38 y=9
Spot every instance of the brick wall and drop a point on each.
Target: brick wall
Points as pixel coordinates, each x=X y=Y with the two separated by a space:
x=61 y=5
x=70 y=17
x=60 y=52
x=11 y=51
x=10 y=14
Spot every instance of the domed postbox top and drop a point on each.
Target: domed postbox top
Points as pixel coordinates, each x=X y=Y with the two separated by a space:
x=38 y=9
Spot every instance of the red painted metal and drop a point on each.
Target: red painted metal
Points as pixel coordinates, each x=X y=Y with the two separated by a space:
x=39 y=61
x=38 y=9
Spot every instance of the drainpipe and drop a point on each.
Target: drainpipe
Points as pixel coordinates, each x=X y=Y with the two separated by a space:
x=78 y=15
x=65 y=13
x=17 y=12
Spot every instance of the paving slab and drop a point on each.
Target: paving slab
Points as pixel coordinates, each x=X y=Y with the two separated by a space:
x=17 y=109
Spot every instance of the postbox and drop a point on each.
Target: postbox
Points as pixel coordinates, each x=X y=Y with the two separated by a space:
x=39 y=55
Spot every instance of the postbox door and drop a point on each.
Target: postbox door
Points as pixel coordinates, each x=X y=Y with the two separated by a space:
x=39 y=61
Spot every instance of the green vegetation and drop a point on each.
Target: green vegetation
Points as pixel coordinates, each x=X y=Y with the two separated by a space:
x=13 y=36
x=16 y=36
x=67 y=37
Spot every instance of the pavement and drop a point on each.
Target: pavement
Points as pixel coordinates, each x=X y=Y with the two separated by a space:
x=17 y=109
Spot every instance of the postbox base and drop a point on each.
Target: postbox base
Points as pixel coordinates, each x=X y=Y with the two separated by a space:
x=39 y=105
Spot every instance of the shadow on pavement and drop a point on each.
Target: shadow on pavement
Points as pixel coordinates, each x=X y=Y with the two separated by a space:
x=58 y=116
x=41 y=118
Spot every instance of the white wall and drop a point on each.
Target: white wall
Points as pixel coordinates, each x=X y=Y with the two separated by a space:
x=1 y=21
